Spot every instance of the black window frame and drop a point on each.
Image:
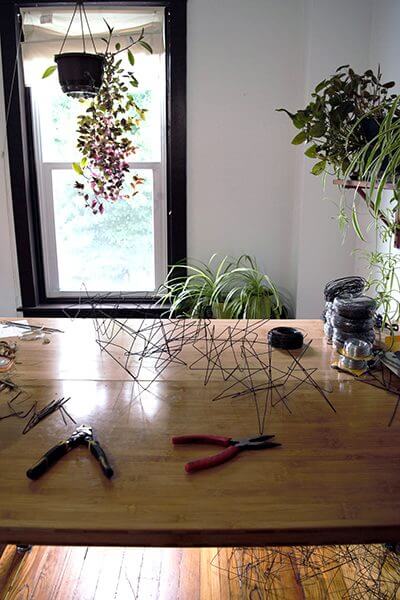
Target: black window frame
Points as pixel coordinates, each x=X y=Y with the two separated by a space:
x=24 y=189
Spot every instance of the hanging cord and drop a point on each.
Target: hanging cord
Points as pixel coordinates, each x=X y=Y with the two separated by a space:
x=88 y=26
x=82 y=15
x=69 y=27
x=10 y=94
x=83 y=33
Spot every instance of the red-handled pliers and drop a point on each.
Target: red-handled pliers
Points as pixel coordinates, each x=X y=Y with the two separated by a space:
x=233 y=447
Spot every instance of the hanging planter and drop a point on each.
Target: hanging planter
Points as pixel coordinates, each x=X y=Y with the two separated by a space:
x=80 y=73
x=105 y=128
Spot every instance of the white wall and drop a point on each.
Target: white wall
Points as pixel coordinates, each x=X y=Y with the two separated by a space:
x=244 y=60
x=249 y=190
x=9 y=291
x=338 y=33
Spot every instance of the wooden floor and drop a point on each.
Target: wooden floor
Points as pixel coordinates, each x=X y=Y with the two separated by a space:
x=81 y=573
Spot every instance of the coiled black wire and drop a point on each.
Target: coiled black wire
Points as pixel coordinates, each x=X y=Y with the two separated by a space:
x=345 y=286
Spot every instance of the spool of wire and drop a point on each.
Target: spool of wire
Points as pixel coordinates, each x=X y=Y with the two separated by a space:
x=327 y=319
x=359 y=308
x=341 y=337
x=328 y=330
x=352 y=325
x=351 y=364
x=357 y=349
x=338 y=288
x=345 y=286
x=286 y=338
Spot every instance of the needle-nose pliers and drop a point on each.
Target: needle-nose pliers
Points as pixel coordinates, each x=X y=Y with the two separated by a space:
x=233 y=447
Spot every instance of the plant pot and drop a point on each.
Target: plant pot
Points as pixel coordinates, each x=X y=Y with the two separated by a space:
x=80 y=74
x=370 y=128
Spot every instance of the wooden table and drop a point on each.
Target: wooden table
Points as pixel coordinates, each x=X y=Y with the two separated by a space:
x=336 y=477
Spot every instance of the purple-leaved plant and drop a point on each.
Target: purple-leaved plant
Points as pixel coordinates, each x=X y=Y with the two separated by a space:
x=103 y=132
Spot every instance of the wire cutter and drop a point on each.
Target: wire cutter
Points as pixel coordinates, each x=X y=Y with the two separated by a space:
x=82 y=436
x=233 y=447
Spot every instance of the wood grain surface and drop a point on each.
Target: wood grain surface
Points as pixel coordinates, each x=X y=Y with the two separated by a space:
x=87 y=573
x=335 y=479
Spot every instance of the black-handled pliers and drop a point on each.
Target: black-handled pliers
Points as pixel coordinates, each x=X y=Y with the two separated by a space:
x=82 y=436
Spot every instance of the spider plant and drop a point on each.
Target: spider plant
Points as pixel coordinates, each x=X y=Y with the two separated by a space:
x=378 y=164
x=232 y=289
x=383 y=279
x=248 y=293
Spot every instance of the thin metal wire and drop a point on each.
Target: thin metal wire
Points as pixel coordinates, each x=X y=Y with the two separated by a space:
x=234 y=354
x=49 y=409
x=351 y=572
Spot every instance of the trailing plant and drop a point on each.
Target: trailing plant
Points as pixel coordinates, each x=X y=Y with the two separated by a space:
x=233 y=289
x=343 y=115
x=104 y=131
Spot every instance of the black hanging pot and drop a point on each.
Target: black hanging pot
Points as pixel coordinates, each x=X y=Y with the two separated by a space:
x=80 y=74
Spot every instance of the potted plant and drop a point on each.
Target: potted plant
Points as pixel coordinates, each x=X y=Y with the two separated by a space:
x=352 y=125
x=104 y=128
x=103 y=132
x=343 y=115
x=80 y=74
x=378 y=165
x=234 y=289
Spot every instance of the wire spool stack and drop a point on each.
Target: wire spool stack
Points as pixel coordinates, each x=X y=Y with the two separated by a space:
x=352 y=318
x=345 y=287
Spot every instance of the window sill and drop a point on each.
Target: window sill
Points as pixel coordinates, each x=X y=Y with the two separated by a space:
x=124 y=311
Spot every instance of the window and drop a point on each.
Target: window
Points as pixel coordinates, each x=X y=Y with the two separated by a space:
x=123 y=249
x=127 y=248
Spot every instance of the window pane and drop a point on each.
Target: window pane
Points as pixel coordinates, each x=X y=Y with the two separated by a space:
x=109 y=252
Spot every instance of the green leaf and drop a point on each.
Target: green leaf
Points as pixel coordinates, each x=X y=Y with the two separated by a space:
x=118 y=46
x=317 y=130
x=77 y=168
x=311 y=151
x=147 y=47
x=355 y=223
x=134 y=82
x=299 y=119
x=299 y=138
x=319 y=167
x=320 y=86
x=110 y=29
x=49 y=71
x=291 y=115
x=84 y=162
x=131 y=58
